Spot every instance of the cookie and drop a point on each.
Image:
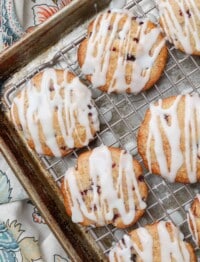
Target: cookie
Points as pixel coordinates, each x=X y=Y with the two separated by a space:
x=55 y=113
x=122 y=53
x=193 y=218
x=169 y=138
x=159 y=242
x=180 y=21
x=107 y=187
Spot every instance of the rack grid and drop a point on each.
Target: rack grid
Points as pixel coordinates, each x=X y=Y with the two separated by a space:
x=120 y=117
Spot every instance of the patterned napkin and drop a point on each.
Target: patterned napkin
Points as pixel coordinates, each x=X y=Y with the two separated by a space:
x=20 y=16
x=24 y=236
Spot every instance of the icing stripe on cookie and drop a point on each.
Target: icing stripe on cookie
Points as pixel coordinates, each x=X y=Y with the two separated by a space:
x=174 y=135
x=111 y=198
x=175 y=32
x=192 y=222
x=170 y=246
x=124 y=250
x=38 y=107
x=99 y=48
x=175 y=248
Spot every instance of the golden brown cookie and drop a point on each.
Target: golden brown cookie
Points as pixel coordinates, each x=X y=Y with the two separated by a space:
x=158 y=242
x=122 y=53
x=55 y=113
x=194 y=220
x=169 y=138
x=107 y=187
x=180 y=21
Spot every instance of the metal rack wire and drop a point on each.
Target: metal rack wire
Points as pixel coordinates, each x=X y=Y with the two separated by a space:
x=120 y=117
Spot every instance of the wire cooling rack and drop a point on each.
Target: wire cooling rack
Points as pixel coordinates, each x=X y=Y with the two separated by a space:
x=120 y=117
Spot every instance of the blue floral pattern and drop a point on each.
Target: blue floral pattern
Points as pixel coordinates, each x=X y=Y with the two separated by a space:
x=5 y=188
x=22 y=229
x=21 y=232
x=11 y=28
x=9 y=249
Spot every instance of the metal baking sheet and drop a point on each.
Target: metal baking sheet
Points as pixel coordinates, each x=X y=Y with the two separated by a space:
x=120 y=117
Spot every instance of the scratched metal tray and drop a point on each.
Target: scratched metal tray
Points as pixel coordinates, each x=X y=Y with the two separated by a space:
x=120 y=117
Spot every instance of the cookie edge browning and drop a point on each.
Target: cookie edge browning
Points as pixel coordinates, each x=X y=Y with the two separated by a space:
x=36 y=80
x=178 y=46
x=195 y=205
x=117 y=222
x=156 y=71
x=142 y=137
x=169 y=226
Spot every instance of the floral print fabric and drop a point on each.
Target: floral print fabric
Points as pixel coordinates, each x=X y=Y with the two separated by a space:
x=18 y=17
x=24 y=236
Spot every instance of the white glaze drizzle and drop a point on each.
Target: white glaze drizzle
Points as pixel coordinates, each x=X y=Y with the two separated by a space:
x=42 y=107
x=192 y=219
x=103 y=39
x=174 y=134
x=169 y=248
x=175 y=32
x=122 y=251
x=172 y=248
x=126 y=246
x=112 y=196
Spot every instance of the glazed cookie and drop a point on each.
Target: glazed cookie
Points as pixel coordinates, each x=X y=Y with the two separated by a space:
x=169 y=138
x=181 y=22
x=107 y=187
x=194 y=220
x=55 y=113
x=122 y=53
x=159 y=242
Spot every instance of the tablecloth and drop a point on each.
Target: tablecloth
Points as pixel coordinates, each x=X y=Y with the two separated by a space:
x=24 y=236
x=19 y=16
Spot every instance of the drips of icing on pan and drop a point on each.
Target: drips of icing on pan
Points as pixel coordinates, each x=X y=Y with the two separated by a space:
x=174 y=135
x=177 y=32
x=112 y=194
x=69 y=102
x=191 y=219
x=170 y=247
x=101 y=41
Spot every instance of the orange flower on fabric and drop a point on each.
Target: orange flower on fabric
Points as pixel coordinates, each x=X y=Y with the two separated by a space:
x=43 y=12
